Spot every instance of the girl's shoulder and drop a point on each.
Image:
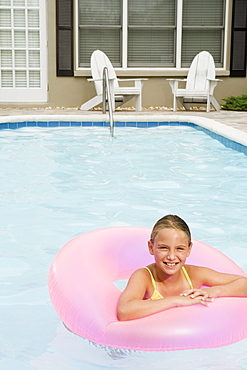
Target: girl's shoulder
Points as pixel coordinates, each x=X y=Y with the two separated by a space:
x=138 y=284
x=198 y=274
x=144 y=271
x=193 y=269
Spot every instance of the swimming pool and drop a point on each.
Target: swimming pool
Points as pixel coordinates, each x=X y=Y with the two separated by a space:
x=62 y=181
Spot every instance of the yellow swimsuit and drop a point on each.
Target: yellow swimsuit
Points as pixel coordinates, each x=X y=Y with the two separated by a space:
x=156 y=294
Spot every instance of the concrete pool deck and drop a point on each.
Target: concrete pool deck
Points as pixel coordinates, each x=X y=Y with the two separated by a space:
x=237 y=120
x=230 y=124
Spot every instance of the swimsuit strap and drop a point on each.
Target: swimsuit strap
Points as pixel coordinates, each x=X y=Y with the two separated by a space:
x=156 y=294
x=187 y=277
x=152 y=278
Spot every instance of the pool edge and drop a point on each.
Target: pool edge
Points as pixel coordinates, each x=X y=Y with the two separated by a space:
x=212 y=125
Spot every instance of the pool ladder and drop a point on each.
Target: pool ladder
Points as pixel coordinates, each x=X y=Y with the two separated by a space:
x=107 y=96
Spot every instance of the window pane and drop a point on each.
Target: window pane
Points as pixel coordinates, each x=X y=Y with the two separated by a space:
x=100 y=25
x=32 y=3
x=33 y=39
x=33 y=18
x=20 y=79
x=6 y=58
x=152 y=13
x=34 y=79
x=19 y=3
x=203 y=13
x=203 y=29
x=151 y=33
x=7 y=78
x=5 y=39
x=5 y=2
x=107 y=40
x=194 y=42
x=20 y=58
x=20 y=39
x=19 y=18
x=34 y=59
x=151 y=48
x=100 y=12
x=5 y=17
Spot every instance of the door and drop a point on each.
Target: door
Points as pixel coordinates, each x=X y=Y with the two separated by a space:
x=23 y=51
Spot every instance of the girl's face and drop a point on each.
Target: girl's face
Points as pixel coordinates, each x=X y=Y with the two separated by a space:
x=170 y=249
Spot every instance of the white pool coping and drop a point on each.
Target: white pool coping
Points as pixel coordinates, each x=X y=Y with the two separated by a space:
x=207 y=123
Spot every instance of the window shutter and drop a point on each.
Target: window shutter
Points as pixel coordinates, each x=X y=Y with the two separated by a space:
x=239 y=39
x=65 y=38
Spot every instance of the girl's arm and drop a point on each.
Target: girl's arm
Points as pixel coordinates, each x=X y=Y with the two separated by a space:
x=132 y=304
x=220 y=284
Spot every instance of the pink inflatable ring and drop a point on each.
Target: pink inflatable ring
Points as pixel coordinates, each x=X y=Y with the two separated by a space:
x=83 y=293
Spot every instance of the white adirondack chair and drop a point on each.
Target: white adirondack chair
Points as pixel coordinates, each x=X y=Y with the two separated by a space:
x=200 y=83
x=120 y=95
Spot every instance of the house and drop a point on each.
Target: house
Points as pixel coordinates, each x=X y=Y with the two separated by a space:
x=45 y=46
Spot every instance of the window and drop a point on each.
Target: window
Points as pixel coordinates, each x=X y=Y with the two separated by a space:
x=202 y=29
x=22 y=67
x=100 y=27
x=151 y=34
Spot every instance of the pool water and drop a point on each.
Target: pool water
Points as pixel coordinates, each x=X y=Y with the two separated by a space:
x=57 y=183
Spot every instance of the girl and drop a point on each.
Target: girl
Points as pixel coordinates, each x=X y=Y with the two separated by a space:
x=168 y=282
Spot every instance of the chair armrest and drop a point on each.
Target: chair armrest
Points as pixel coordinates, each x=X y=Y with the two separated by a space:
x=138 y=82
x=173 y=82
x=99 y=79
x=132 y=79
x=212 y=84
x=214 y=79
x=177 y=79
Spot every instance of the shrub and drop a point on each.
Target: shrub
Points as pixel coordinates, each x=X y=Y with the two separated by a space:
x=235 y=103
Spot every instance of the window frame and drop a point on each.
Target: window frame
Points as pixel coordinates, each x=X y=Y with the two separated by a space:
x=177 y=70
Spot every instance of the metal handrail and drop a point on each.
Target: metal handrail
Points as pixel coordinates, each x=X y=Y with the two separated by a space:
x=106 y=91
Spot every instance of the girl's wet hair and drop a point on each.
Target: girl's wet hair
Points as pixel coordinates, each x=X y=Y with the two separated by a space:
x=170 y=222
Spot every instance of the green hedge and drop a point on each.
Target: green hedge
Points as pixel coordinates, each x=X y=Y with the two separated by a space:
x=235 y=103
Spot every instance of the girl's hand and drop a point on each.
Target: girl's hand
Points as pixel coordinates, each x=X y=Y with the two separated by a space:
x=188 y=301
x=206 y=294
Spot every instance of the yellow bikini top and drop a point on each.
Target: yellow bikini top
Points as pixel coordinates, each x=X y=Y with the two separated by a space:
x=156 y=294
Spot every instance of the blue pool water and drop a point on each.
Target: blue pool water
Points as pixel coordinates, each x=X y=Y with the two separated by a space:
x=59 y=182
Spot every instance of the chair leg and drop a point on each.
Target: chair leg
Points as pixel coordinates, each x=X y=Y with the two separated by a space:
x=208 y=105
x=138 y=103
x=186 y=105
x=214 y=103
x=92 y=103
x=174 y=103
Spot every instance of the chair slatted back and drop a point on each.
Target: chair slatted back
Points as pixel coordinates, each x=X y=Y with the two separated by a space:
x=98 y=61
x=202 y=68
